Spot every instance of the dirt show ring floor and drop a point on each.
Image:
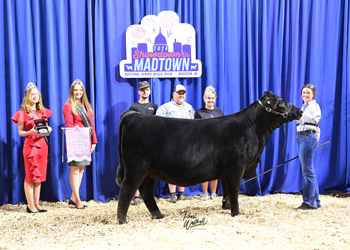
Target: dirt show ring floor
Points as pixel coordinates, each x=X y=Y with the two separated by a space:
x=267 y=222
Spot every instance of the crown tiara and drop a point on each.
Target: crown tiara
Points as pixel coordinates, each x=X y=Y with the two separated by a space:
x=76 y=81
x=30 y=85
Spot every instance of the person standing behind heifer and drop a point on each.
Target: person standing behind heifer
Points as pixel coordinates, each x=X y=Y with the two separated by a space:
x=209 y=111
x=308 y=134
x=145 y=107
x=177 y=108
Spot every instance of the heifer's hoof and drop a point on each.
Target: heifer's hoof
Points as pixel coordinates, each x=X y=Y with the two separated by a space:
x=235 y=214
x=122 y=221
x=226 y=203
x=158 y=216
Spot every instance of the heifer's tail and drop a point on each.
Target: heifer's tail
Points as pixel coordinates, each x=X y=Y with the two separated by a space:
x=121 y=169
x=120 y=175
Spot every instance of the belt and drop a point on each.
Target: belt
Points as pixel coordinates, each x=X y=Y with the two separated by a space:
x=306 y=132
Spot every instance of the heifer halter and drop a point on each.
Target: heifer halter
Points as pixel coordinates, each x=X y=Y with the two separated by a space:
x=284 y=115
x=270 y=110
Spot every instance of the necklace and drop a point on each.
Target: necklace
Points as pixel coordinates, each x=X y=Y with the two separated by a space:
x=145 y=105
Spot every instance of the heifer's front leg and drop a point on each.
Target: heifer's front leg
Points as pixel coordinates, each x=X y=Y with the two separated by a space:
x=233 y=185
x=146 y=190
x=126 y=194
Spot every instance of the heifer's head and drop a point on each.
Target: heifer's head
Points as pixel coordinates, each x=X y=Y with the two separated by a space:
x=277 y=106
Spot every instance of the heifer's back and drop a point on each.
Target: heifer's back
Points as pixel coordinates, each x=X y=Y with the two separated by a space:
x=186 y=152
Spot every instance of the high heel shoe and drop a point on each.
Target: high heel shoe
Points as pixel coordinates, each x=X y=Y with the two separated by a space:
x=70 y=202
x=30 y=211
x=41 y=210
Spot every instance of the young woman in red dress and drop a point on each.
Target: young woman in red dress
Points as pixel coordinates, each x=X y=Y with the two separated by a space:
x=77 y=114
x=35 y=150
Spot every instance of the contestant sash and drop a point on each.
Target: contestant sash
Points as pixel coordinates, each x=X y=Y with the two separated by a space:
x=78 y=144
x=84 y=116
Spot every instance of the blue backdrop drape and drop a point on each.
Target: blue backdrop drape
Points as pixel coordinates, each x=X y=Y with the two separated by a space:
x=246 y=47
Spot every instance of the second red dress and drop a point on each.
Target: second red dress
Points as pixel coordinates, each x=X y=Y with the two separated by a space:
x=73 y=120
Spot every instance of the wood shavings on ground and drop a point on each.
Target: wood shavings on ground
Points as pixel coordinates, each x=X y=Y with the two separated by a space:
x=267 y=222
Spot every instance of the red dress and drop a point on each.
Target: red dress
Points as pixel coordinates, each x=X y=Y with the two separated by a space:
x=35 y=149
x=73 y=120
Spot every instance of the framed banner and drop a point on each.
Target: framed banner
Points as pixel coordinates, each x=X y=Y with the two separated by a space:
x=78 y=144
x=160 y=47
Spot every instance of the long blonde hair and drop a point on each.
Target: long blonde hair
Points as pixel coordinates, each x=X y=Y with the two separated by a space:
x=71 y=99
x=25 y=106
x=209 y=90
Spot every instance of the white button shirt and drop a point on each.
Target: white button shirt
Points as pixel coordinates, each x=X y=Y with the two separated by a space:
x=311 y=114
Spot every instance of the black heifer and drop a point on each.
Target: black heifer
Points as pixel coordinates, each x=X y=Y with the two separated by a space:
x=187 y=152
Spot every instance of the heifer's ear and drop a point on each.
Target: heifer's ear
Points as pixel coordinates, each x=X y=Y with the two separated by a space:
x=268 y=93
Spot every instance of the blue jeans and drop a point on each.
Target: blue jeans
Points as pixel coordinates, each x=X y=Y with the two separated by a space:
x=307 y=145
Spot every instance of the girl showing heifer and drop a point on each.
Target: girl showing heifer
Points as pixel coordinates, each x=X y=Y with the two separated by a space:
x=308 y=134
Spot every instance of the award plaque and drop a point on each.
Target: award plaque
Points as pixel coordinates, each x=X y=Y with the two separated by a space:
x=41 y=127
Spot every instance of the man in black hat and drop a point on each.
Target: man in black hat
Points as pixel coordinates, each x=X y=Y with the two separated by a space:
x=145 y=107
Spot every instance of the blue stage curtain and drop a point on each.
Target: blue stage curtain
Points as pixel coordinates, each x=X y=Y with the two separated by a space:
x=246 y=47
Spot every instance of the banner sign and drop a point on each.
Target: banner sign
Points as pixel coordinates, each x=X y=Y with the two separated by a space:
x=160 y=47
x=78 y=144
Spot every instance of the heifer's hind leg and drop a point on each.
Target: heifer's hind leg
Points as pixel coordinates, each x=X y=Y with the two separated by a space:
x=146 y=190
x=125 y=196
x=225 y=197
x=126 y=193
